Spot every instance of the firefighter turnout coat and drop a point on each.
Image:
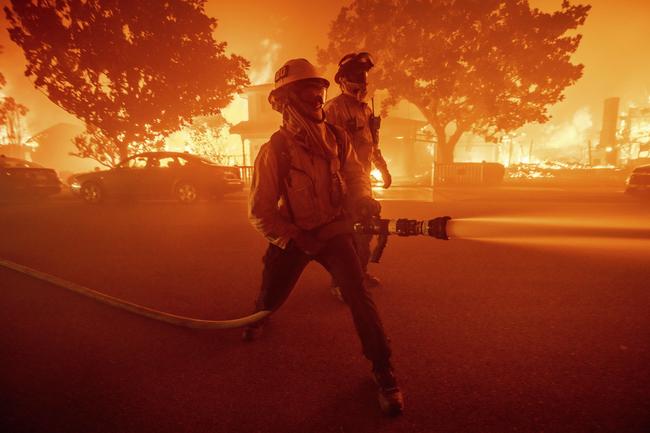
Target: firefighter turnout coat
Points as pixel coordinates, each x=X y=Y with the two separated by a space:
x=308 y=185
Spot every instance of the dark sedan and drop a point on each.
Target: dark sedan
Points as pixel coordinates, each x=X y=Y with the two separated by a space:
x=25 y=179
x=176 y=175
x=639 y=181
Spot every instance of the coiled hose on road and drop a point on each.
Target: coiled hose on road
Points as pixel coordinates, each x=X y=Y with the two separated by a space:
x=150 y=313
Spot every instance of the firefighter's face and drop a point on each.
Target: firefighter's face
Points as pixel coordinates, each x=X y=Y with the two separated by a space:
x=310 y=97
x=358 y=88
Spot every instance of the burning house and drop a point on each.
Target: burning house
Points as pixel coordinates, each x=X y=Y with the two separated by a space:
x=634 y=135
x=405 y=147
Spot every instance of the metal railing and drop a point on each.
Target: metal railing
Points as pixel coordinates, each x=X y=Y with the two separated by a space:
x=246 y=173
x=468 y=173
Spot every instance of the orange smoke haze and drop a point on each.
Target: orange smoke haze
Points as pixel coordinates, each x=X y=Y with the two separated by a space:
x=613 y=51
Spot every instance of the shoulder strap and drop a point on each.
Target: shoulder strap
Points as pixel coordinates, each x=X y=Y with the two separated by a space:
x=280 y=149
x=339 y=133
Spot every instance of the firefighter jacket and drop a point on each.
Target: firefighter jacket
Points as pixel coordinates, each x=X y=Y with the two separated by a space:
x=353 y=116
x=307 y=185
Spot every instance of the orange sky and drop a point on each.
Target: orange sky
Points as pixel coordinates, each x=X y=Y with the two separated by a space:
x=614 y=49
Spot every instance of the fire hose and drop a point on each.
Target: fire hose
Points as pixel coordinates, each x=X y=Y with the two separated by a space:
x=436 y=228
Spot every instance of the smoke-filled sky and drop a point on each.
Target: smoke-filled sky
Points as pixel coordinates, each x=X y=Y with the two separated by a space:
x=614 y=50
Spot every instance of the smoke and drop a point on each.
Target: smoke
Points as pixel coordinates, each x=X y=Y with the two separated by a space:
x=567 y=140
x=269 y=59
x=572 y=133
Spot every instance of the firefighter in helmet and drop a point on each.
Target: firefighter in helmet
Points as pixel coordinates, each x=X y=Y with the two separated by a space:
x=350 y=111
x=306 y=178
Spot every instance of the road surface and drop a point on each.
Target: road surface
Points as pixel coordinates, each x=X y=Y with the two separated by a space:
x=496 y=334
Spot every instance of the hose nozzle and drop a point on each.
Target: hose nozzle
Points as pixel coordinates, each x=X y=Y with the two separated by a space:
x=437 y=227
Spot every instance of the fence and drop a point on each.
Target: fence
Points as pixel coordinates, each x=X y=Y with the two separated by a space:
x=469 y=173
x=246 y=173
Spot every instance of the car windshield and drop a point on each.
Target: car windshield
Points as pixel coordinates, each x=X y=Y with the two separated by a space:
x=645 y=169
x=17 y=163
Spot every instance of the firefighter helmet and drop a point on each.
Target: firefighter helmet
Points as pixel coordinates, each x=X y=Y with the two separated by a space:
x=292 y=71
x=354 y=67
x=297 y=70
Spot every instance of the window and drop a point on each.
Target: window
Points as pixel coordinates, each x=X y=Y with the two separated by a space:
x=135 y=162
x=167 y=162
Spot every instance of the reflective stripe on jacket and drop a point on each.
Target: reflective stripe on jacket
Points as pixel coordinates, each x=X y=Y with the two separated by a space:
x=308 y=186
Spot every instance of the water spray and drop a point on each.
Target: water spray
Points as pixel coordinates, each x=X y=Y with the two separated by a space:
x=513 y=228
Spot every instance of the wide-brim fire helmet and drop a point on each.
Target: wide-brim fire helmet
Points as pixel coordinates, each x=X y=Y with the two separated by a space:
x=354 y=68
x=291 y=72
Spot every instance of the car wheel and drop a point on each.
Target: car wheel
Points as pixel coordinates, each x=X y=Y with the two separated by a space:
x=92 y=193
x=186 y=192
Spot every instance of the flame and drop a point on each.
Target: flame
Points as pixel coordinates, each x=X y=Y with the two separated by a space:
x=236 y=111
x=269 y=59
x=376 y=176
x=571 y=133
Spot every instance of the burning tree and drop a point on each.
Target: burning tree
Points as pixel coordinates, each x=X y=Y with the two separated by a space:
x=480 y=66
x=133 y=71
x=208 y=138
x=11 y=116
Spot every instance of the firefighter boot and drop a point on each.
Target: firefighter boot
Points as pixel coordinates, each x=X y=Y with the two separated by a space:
x=391 y=400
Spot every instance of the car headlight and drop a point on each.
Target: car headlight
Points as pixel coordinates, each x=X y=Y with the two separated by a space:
x=75 y=185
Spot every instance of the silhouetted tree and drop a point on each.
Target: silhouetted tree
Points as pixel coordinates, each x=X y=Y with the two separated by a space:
x=480 y=66
x=133 y=71
x=96 y=145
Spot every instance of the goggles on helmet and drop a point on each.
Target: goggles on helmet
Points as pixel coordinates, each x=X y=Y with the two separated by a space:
x=363 y=59
x=354 y=67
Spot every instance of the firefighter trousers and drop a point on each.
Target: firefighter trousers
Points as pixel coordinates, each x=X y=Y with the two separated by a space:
x=283 y=267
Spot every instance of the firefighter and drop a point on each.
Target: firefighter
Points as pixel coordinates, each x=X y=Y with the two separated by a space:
x=304 y=179
x=350 y=111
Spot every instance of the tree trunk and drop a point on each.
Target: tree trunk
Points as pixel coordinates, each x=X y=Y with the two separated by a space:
x=444 y=153
x=124 y=151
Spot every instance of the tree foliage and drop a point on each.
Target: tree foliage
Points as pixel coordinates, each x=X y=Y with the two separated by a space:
x=133 y=71
x=95 y=144
x=480 y=66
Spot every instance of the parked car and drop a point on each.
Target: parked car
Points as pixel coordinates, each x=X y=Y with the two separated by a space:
x=176 y=175
x=638 y=181
x=25 y=179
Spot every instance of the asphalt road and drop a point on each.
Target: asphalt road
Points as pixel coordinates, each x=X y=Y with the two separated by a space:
x=526 y=332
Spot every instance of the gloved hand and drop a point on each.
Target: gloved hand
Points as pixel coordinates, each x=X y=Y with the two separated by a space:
x=367 y=207
x=307 y=243
x=388 y=179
